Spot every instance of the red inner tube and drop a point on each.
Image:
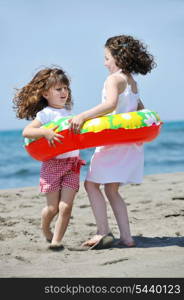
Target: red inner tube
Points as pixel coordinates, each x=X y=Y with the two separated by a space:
x=42 y=151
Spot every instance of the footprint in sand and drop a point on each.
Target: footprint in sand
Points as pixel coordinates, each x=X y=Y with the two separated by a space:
x=84 y=206
x=9 y=234
x=90 y=224
x=115 y=261
x=21 y=258
x=174 y=215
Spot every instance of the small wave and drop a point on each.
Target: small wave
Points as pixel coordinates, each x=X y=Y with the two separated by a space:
x=170 y=145
x=22 y=173
x=166 y=162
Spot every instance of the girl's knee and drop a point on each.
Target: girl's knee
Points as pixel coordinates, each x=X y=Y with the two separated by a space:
x=50 y=210
x=88 y=185
x=110 y=189
x=65 y=209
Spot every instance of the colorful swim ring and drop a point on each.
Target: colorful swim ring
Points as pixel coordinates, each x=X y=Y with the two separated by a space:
x=132 y=127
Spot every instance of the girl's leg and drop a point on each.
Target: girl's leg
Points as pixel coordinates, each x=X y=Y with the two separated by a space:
x=49 y=212
x=65 y=209
x=120 y=211
x=99 y=209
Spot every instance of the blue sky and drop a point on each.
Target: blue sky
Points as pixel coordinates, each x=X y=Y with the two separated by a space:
x=72 y=33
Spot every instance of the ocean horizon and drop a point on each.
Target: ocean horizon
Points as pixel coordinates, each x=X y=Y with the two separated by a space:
x=165 y=154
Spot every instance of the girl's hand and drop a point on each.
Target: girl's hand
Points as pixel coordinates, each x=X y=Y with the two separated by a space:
x=76 y=123
x=52 y=136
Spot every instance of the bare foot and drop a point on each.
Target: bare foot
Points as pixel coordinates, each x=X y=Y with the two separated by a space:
x=92 y=241
x=48 y=235
x=56 y=246
x=127 y=243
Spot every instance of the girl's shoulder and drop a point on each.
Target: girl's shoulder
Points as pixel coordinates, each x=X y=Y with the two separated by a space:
x=49 y=109
x=115 y=79
x=43 y=115
x=48 y=114
x=44 y=111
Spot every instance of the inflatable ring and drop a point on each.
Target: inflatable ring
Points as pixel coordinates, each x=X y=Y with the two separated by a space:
x=132 y=127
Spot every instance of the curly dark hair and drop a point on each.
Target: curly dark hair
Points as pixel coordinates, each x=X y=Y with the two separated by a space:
x=29 y=100
x=130 y=54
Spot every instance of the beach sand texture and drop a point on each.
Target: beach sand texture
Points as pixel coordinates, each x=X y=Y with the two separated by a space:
x=156 y=212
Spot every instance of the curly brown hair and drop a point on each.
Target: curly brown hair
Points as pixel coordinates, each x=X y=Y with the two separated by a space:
x=29 y=100
x=130 y=54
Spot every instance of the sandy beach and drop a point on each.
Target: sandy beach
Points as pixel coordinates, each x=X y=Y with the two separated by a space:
x=156 y=212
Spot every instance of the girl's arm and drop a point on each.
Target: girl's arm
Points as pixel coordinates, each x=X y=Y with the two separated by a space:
x=34 y=130
x=113 y=86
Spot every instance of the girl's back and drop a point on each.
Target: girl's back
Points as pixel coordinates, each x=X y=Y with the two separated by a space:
x=129 y=96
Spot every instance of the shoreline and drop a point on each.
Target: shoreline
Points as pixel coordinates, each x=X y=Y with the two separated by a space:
x=36 y=187
x=155 y=210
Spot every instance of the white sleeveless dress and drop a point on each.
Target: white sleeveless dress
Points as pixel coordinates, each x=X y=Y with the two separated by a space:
x=123 y=163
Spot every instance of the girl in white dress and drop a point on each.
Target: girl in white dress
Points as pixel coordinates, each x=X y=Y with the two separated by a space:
x=118 y=164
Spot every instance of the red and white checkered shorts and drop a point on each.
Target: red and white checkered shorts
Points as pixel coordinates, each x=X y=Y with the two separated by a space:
x=57 y=173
